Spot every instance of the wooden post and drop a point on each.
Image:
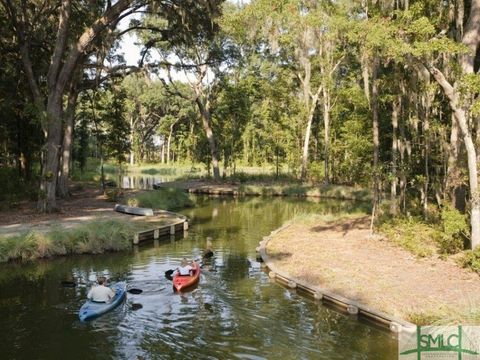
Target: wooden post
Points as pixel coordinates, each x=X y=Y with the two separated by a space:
x=185 y=225
x=156 y=234
x=395 y=328
x=136 y=240
x=172 y=230
x=352 y=310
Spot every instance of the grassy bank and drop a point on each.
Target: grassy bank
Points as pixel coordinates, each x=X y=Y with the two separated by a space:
x=164 y=198
x=303 y=190
x=92 y=238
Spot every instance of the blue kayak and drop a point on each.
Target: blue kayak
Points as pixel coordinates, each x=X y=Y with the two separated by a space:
x=92 y=309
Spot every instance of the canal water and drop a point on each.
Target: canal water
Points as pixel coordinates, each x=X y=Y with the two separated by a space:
x=236 y=311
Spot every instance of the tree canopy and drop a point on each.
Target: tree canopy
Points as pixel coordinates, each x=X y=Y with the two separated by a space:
x=379 y=94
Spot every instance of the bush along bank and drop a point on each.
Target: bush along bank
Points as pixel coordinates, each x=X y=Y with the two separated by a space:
x=445 y=236
x=91 y=238
x=164 y=198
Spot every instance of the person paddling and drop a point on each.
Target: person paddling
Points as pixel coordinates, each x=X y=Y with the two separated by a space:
x=208 y=252
x=185 y=268
x=101 y=293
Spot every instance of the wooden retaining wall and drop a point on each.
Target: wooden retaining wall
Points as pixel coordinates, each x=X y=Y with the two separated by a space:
x=329 y=298
x=156 y=233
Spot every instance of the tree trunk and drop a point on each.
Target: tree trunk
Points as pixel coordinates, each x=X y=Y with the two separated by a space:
x=453 y=180
x=426 y=134
x=473 y=177
x=206 y=121
x=307 y=68
x=308 y=130
x=394 y=184
x=132 y=136
x=366 y=78
x=402 y=146
x=376 y=141
x=427 y=98
x=48 y=182
x=326 y=121
x=168 y=143
x=67 y=143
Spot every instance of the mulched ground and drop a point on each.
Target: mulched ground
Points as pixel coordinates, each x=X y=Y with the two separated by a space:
x=87 y=201
x=344 y=258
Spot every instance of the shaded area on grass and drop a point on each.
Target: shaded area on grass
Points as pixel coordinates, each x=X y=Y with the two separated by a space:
x=343 y=227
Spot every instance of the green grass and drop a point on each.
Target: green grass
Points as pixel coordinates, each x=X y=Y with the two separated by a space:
x=163 y=198
x=465 y=314
x=93 y=238
x=470 y=259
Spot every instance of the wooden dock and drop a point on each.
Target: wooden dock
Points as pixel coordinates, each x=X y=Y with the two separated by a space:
x=180 y=226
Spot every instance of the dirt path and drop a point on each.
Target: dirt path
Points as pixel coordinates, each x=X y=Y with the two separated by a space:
x=85 y=205
x=342 y=257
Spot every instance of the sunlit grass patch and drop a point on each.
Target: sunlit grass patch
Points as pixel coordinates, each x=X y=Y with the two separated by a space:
x=464 y=314
x=163 y=198
x=91 y=238
x=304 y=190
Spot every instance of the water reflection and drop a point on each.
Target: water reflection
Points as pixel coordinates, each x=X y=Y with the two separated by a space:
x=141 y=182
x=235 y=312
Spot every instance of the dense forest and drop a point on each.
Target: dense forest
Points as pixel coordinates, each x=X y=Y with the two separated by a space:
x=374 y=93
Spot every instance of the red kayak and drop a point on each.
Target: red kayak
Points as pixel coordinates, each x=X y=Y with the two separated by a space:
x=181 y=282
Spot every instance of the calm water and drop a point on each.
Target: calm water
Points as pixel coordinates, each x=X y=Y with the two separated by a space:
x=236 y=312
x=142 y=182
x=145 y=179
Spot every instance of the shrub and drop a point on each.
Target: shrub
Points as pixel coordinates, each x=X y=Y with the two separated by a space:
x=240 y=176
x=316 y=171
x=163 y=198
x=454 y=230
x=471 y=260
x=412 y=234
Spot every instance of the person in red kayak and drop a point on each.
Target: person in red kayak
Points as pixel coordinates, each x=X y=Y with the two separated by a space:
x=101 y=293
x=185 y=268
